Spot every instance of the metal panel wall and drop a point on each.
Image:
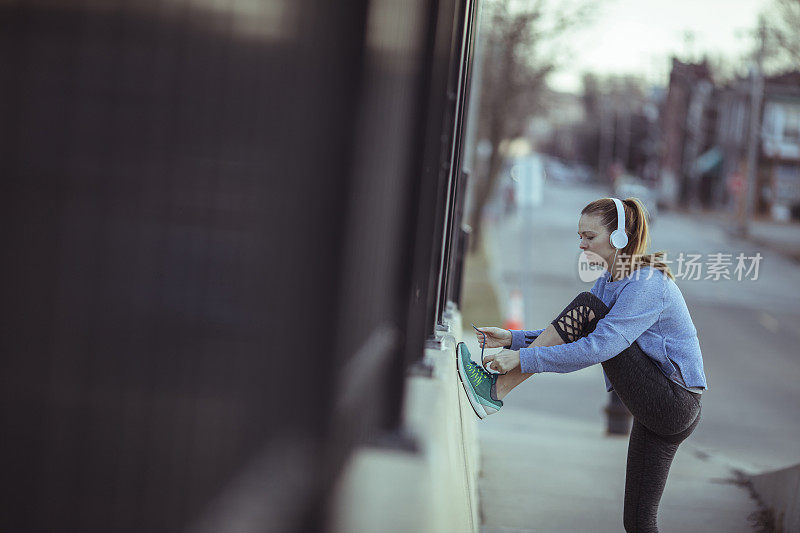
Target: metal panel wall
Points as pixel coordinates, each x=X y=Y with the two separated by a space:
x=226 y=228
x=173 y=181
x=437 y=163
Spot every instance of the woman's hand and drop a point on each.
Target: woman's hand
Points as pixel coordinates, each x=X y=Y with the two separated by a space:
x=502 y=361
x=495 y=337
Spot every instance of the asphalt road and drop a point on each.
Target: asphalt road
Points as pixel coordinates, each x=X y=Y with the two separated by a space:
x=749 y=330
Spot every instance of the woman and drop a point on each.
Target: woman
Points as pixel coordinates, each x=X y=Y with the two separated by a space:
x=635 y=322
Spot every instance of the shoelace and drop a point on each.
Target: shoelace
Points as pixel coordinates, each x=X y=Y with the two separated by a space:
x=478 y=372
x=482 y=347
x=484 y=339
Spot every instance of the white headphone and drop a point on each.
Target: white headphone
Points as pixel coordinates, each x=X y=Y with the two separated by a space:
x=619 y=239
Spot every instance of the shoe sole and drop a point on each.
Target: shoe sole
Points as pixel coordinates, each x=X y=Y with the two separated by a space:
x=476 y=405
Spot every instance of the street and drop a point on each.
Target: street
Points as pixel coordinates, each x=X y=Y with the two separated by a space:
x=748 y=331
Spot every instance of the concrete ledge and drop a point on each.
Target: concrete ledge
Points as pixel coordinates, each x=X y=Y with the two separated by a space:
x=383 y=490
x=780 y=491
x=433 y=490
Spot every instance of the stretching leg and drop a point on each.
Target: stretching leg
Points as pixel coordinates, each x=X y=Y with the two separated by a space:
x=578 y=319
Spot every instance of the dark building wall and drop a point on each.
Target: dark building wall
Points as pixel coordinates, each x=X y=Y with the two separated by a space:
x=228 y=228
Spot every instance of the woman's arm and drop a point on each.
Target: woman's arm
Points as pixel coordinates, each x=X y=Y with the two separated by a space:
x=637 y=308
x=522 y=338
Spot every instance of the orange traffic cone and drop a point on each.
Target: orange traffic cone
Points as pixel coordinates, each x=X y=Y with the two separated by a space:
x=515 y=311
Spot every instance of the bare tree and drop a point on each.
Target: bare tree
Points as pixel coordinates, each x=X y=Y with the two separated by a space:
x=519 y=39
x=782 y=20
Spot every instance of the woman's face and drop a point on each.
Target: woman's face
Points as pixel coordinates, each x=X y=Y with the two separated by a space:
x=594 y=239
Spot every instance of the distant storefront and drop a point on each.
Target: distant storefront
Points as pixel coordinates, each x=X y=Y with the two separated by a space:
x=780 y=134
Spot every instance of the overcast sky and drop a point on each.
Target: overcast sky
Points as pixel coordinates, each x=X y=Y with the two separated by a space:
x=639 y=36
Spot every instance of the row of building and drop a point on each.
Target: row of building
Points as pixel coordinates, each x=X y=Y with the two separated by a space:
x=705 y=134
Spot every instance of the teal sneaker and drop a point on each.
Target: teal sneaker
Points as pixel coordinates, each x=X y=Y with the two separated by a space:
x=477 y=383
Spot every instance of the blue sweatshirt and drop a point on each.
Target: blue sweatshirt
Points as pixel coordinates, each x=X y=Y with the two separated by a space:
x=646 y=307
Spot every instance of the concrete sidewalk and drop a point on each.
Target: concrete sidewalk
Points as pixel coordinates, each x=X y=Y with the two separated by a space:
x=781 y=237
x=550 y=474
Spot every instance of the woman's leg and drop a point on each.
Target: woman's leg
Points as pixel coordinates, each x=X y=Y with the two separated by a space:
x=649 y=459
x=576 y=320
x=664 y=413
x=661 y=405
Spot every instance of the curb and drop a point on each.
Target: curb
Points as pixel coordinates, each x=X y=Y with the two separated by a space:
x=779 y=491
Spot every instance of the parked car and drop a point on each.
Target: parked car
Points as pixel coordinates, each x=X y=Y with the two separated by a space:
x=561 y=171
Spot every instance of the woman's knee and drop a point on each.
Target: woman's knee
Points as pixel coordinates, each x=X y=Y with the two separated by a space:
x=587 y=298
x=580 y=317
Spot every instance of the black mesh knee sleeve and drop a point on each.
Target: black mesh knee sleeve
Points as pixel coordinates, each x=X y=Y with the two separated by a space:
x=574 y=322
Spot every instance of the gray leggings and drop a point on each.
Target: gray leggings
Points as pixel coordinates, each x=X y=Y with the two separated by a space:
x=664 y=413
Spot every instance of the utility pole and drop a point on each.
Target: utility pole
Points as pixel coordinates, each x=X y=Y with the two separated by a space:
x=756 y=96
x=625 y=144
x=608 y=119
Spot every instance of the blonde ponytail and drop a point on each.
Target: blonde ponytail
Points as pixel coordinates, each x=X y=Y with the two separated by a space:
x=638 y=228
